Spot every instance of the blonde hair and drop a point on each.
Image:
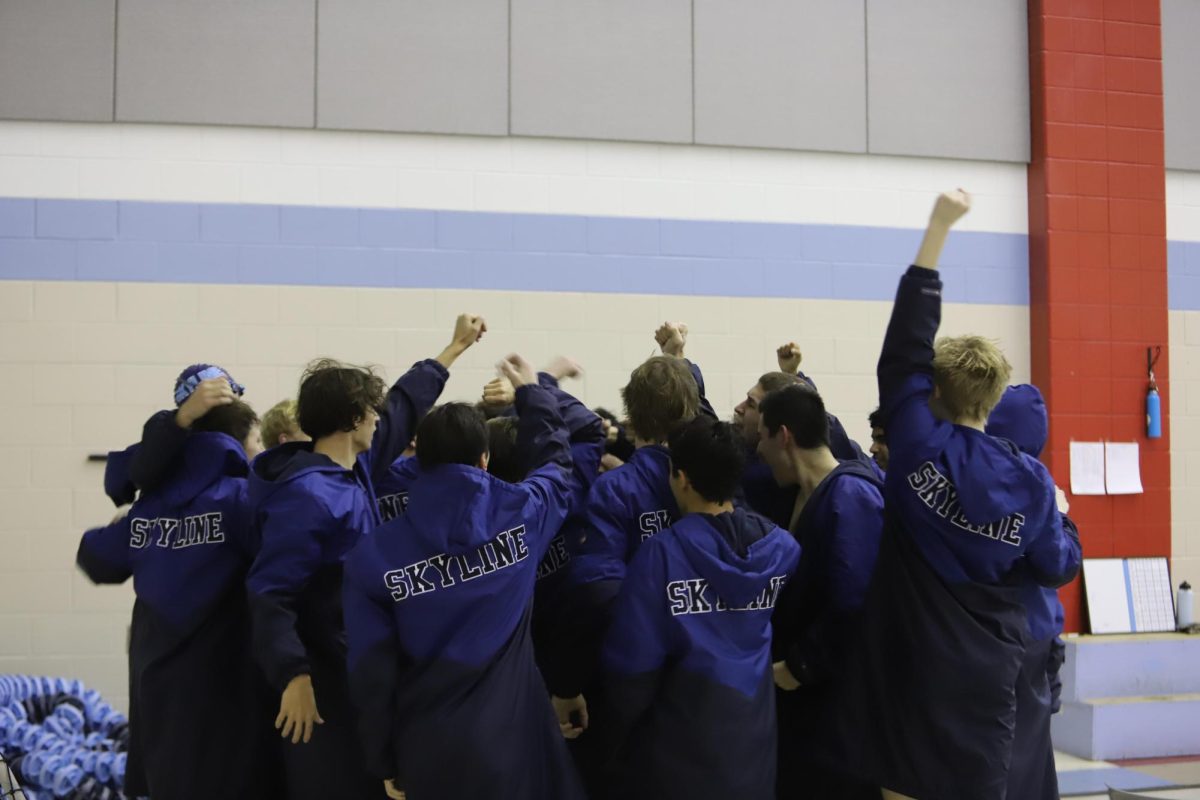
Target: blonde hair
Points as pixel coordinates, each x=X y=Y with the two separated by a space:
x=971 y=374
x=280 y=420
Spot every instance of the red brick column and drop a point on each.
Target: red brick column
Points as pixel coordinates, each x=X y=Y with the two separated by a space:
x=1098 y=255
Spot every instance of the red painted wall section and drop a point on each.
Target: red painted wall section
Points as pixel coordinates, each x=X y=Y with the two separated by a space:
x=1098 y=255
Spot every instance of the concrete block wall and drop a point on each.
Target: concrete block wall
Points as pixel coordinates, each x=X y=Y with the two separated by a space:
x=101 y=303
x=1183 y=270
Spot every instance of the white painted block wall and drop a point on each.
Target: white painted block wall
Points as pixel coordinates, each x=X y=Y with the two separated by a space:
x=1183 y=224
x=87 y=362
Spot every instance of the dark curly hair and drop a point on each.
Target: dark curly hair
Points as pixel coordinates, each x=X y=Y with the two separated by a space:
x=336 y=397
x=712 y=455
x=236 y=419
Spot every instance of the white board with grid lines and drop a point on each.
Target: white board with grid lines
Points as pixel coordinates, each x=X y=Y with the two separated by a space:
x=1129 y=595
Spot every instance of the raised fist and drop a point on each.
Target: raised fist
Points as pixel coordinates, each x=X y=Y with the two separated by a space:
x=517 y=371
x=563 y=367
x=788 y=357
x=950 y=207
x=498 y=393
x=671 y=338
x=468 y=329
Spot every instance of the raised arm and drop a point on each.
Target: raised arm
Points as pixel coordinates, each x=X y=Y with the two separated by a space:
x=414 y=394
x=905 y=369
x=468 y=329
x=949 y=208
x=672 y=340
x=586 y=428
x=582 y=423
x=541 y=434
x=788 y=357
x=542 y=441
x=165 y=433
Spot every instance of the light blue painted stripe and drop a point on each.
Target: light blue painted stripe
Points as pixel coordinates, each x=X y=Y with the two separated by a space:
x=17 y=218
x=308 y=245
x=1129 y=597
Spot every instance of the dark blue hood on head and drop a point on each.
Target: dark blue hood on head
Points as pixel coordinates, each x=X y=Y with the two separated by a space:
x=739 y=561
x=454 y=507
x=206 y=458
x=284 y=463
x=992 y=479
x=1021 y=417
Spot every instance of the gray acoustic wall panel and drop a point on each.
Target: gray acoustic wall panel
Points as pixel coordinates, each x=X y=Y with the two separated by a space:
x=56 y=59
x=413 y=65
x=781 y=73
x=1181 y=82
x=603 y=69
x=948 y=78
x=233 y=62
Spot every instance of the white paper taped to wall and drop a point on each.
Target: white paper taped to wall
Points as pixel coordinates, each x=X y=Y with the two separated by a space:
x=1122 y=468
x=1087 y=468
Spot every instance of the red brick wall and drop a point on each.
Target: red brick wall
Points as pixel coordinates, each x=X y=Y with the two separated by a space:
x=1098 y=255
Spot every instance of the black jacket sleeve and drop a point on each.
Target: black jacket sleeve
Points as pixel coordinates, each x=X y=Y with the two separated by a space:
x=542 y=437
x=580 y=623
x=583 y=425
x=289 y=557
x=119 y=487
x=1054 y=558
x=103 y=553
x=705 y=406
x=409 y=399
x=157 y=456
x=908 y=343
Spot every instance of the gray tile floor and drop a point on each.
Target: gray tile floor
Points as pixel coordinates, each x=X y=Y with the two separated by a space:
x=1184 y=773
